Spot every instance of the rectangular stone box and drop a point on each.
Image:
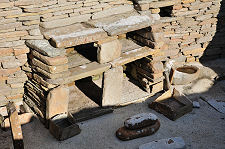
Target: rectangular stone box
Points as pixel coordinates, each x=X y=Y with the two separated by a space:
x=172 y=104
x=62 y=127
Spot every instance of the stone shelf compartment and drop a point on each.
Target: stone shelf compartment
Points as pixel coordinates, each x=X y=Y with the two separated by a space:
x=131 y=51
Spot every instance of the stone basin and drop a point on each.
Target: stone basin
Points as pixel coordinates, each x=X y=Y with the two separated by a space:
x=185 y=75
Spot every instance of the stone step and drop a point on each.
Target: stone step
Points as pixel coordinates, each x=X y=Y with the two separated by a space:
x=72 y=35
x=122 y=23
x=81 y=72
x=131 y=52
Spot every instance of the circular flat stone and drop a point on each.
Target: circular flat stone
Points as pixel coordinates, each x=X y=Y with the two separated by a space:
x=126 y=134
x=140 y=120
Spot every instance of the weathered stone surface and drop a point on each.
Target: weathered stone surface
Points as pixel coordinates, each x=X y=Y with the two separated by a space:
x=139 y=121
x=50 y=69
x=156 y=88
x=45 y=48
x=65 y=21
x=170 y=143
x=75 y=60
x=109 y=51
x=52 y=75
x=112 y=87
x=122 y=23
x=159 y=4
x=81 y=72
x=131 y=52
x=73 y=35
x=146 y=42
x=125 y=134
x=52 y=61
x=57 y=101
x=113 y=11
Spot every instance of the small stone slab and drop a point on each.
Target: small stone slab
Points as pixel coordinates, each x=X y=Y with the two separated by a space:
x=81 y=72
x=170 y=143
x=122 y=23
x=45 y=48
x=140 y=120
x=132 y=55
x=73 y=35
x=112 y=87
x=52 y=75
x=52 y=61
x=163 y=3
x=125 y=134
x=113 y=11
x=50 y=69
x=77 y=60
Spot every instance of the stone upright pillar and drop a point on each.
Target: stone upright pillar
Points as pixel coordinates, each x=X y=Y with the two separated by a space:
x=108 y=50
x=112 y=87
x=57 y=101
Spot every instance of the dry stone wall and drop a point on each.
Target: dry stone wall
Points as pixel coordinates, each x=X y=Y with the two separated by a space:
x=191 y=29
x=188 y=30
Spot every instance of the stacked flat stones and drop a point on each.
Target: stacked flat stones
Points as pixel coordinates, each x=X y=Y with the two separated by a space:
x=185 y=35
x=139 y=125
x=193 y=29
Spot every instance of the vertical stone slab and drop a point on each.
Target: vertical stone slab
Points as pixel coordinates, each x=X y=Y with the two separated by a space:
x=109 y=51
x=112 y=87
x=57 y=101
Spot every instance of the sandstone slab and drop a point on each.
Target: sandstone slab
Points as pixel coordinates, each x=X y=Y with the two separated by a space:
x=52 y=61
x=113 y=11
x=65 y=21
x=73 y=35
x=50 y=69
x=112 y=87
x=45 y=48
x=81 y=72
x=109 y=51
x=122 y=23
x=57 y=101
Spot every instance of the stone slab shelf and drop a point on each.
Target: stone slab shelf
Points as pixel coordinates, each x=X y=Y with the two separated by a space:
x=131 y=51
x=96 y=30
x=80 y=68
x=122 y=23
x=73 y=35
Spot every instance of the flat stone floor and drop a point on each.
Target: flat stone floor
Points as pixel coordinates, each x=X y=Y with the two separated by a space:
x=203 y=128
